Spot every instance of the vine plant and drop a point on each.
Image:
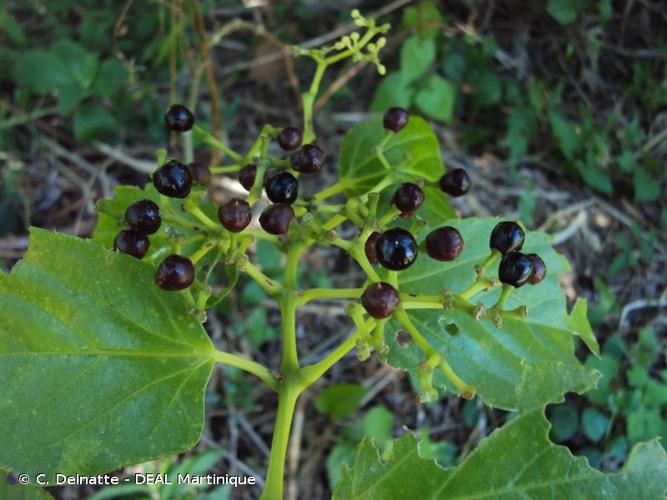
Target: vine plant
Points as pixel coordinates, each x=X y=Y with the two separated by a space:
x=104 y=361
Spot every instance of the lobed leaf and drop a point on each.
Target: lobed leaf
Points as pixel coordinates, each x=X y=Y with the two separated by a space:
x=515 y=461
x=100 y=368
x=360 y=170
x=521 y=365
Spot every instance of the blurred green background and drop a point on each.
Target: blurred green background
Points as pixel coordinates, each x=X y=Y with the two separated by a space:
x=558 y=109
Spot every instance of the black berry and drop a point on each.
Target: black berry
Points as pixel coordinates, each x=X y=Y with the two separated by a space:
x=456 y=182
x=179 y=118
x=396 y=249
x=173 y=179
x=143 y=216
x=275 y=219
x=200 y=173
x=369 y=248
x=380 y=300
x=395 y=119
x=247 y=176
x=308 y=160
x=174 y=273
x=507 y=237
x=445 y=243
x=408 y=197
x=515 y=269
x=235 y=215
x=132 y=242
x=289 y=138
x=539 y=269
x=282 y=187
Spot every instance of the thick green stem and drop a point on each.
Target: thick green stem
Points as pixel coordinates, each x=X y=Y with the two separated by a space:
x=308 y=99
x=329 y=293
x=287 y=397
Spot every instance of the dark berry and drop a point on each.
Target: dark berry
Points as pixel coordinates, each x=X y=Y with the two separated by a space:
x=173 y=179
x=380 y=300
x=539 y=269
x=132 y=243
x=200 y=173
x=445 y=243
x=369 y=247
x=247 y=176
x=282 y=187
x=408 y=197
x=289 y=138
x=235 y=215
x=275 y=219
x=179 y=118
x=174 y=273
x=507 y=237
x=143 y=216
x=396 y=249
x=395 y=119
x=456 y=182
x=308 y=160
x=515 y=269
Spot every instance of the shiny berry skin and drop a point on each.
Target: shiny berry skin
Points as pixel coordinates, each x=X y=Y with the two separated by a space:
x=282 y=187
x=143 y=216
x=408 y=197
x=539 y=269
x=175 y=273
x=369 y=248
x=275 y=219
x=395 y=119
x=132 y=242
x=507 y=237
x=289 y=138
x=380 y=300
x=308 y=160
x=396 y=249
x=173 y=179
x=200 y=173
x=235 y=215
x=179 y=118
x=515 y=269
x=456 y=182
x=444 y=243
x=247 y=176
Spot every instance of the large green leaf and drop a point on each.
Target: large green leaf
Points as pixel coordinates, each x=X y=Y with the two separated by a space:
x=519 y=366
x=100 y=368
x=516 y=461
x=358 y=165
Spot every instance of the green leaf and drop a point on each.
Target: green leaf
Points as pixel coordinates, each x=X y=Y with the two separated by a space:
x=379 y=424
x=18 y=491
x=51 y=70
x=647 y=188
x=516 y=461
x=436 y=208
x=565 y=421
x=417 y=55
x=437 y=99
x=81 y=64
x=521 y=365
x=94 y=123
x=645 y=424
x=69 y=97
x=360 y=170
x=594 y=423
x=393 y=90
x=565 y=133
x=111 y=78
x=110 y=369
x=339 y=400
x=563 y=11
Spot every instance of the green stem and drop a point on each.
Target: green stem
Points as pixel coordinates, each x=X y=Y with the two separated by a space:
x=328 y=192
x=333 y=222
x=201 y=216
x=288 y=305
x=270 y=286
x=186 y=144
x=329 y=293
x=207 y=138
x=226 y=169
x=308 y=98
x=257 y=369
